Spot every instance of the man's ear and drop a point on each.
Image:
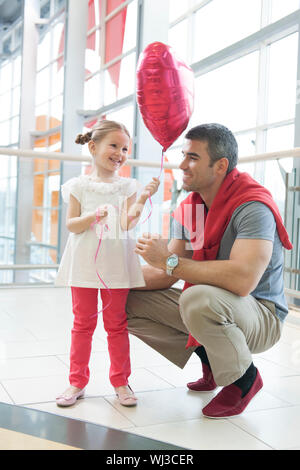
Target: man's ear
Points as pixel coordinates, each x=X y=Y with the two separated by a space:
x=222 y=165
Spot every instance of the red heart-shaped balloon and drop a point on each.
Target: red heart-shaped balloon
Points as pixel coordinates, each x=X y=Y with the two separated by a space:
x=165 y=93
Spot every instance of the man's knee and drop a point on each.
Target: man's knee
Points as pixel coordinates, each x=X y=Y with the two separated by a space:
x=198 y=304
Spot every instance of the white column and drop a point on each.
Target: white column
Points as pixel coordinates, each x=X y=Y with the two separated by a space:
x=75 y=46
x=154 y=26
x=31 y=13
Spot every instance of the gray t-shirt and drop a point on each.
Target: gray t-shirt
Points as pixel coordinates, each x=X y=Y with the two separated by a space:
x=253 y=220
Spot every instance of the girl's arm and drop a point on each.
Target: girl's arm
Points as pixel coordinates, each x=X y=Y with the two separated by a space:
x=75 y=222
x=132 y=207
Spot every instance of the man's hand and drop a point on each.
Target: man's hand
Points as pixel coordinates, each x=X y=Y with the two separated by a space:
x=153 y=249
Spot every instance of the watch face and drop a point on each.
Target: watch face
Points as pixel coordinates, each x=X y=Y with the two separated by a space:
x=172 y=262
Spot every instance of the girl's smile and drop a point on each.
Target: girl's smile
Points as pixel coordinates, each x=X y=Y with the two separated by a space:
x=110 y=153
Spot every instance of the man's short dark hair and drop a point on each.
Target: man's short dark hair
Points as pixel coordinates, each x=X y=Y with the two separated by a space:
x=220 y=142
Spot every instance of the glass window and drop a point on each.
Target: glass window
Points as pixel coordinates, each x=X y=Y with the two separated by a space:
x=42 y=85
x=92 y=53
x=177 y=8
x=92 y=92
x=281 y=138
x=283 y=79
x=130 y=27
x=14 y=132
x=44 y=50
x=6 y=77
x=125 y=116
x=281 y=8
x=16 y=101
x=4 y=133
x=178 y=39
x=5 y=105
x=221 y=23
x=56 y=107
x=17 y=71
x=228 y=95
x=57 y=79
x=120 y=79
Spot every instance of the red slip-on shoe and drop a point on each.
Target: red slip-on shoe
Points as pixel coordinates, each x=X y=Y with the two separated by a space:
x=229 y=401
x=206 y=383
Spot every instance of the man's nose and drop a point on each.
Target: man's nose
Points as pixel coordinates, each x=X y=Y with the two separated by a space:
x=183 y=165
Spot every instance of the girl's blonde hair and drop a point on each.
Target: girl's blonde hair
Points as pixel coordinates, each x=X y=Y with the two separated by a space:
x=100 y=130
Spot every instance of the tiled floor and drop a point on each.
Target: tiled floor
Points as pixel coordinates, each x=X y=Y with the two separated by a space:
x=35 y=326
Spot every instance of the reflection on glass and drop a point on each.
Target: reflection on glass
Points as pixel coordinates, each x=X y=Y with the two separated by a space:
x=221 y=23
x=283 y=79
x=228 y=95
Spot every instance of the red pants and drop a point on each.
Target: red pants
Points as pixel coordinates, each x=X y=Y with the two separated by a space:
x=85 y=303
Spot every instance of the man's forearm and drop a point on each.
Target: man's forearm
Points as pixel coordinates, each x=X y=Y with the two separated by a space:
x=227 y=274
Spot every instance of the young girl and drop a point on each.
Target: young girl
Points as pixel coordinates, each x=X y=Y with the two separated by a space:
x=102 y=208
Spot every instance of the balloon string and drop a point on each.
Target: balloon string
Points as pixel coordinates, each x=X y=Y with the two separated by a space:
x=161 y=170
x=97 y=221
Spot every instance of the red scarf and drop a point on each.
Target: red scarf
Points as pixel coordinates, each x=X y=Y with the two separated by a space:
x=236 y=189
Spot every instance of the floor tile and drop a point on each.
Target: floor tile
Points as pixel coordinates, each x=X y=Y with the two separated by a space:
x=34 y=365
x=164 y=406
x=96 y=410
x=36 y=389
x=285 y=388
x=286 y=355
x=278 y=428
x=268 y=369
x=31 y=367
x=203 y=434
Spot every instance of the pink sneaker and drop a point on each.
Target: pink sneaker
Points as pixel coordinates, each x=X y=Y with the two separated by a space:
x=68 y=400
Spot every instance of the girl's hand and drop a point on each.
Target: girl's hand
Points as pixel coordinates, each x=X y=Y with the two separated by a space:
x=99 y=214
x=150 y=189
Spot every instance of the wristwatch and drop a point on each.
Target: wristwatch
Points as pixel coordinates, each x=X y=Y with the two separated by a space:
x=172 y=262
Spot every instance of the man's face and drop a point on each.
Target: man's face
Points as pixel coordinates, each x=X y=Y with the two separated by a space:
x=198 y=170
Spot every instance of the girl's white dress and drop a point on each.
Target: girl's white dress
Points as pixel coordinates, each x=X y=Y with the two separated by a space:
x=117 y=263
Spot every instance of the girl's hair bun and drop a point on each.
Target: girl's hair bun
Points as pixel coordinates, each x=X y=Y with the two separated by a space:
x=83 y=138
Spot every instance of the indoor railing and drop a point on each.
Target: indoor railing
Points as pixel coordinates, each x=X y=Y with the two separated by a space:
x=270 y=156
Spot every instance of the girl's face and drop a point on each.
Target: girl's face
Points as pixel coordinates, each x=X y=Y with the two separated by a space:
x=110 y=153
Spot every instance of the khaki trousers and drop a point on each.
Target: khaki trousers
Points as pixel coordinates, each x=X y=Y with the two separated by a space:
x=230 y=327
